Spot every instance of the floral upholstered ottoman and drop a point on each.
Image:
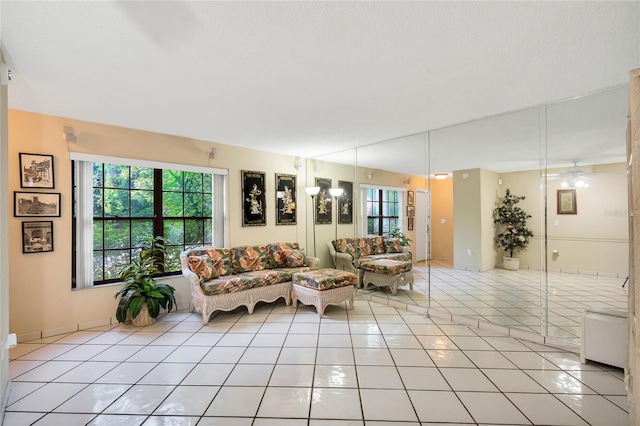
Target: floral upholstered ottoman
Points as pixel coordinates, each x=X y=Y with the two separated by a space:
x=387 y=273
x=324 y=287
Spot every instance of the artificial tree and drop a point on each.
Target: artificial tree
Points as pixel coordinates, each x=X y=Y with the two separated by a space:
x=512 y=232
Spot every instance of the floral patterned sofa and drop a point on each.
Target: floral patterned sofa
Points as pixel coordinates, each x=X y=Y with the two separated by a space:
x=349 y=253
x=226 y=278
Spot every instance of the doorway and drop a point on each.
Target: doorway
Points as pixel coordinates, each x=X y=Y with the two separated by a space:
x=422 y=225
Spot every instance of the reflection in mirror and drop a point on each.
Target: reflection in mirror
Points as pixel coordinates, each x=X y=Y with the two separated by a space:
x=393 y=192
x=485 y=158
x=587 y=229
x=330 y=216
x=567 y=160
x=573 y=170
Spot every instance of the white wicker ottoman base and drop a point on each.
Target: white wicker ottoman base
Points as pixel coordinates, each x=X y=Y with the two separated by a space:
x=385 y=280
x=321 y=298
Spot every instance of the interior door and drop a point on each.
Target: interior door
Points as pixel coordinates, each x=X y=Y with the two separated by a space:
x=422 y=225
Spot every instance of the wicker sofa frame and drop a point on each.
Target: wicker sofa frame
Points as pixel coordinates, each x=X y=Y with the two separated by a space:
x=207 y=305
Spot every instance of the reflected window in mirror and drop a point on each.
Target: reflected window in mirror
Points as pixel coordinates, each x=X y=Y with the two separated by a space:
x=383 y=210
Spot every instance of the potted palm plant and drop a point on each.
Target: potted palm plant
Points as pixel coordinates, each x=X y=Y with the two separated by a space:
x=511 y=227
x=141 y=297
x=395 y=232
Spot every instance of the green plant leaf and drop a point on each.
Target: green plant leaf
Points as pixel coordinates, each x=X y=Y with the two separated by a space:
x=121 y=310
x=135 y=306
x=154 y=307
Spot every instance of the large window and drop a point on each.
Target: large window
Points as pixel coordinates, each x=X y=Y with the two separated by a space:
x=130 y=203
x=383 y=210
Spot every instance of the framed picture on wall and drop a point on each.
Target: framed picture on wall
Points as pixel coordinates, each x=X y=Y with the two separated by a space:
x=36 y=204
x=411 y=198
x=37 y=237
x=36 y=171
x=286 y=198
x=254 y=201
x=411 y=211
x=567 y=203
x=345 y=203
x=410 y=223
x=323 y=201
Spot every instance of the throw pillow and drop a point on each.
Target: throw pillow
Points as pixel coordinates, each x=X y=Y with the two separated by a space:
x=203 y=267
x=221 y=258
x=249 y=258
x=296 y=259
x=394 y=246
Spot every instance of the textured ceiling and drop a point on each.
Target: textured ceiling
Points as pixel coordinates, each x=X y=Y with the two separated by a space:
x=308 y=78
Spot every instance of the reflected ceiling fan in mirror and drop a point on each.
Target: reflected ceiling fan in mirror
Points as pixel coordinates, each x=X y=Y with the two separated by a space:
x=573 y=177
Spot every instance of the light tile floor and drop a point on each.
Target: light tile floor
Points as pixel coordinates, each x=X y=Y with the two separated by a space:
x=512 y=298
x=374 y=365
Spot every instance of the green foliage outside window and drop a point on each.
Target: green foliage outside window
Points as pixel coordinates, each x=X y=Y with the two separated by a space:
x=124 y=206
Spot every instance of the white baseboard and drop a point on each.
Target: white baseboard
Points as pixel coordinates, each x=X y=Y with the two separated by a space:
x=60 y=330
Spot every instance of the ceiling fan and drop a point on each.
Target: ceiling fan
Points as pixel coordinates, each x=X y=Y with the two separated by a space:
x=574 y=177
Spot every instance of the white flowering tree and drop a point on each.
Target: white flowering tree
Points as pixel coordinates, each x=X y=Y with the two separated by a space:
x=511 y=225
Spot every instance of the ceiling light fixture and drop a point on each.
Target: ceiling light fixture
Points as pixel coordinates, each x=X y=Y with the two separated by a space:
x=441 y=176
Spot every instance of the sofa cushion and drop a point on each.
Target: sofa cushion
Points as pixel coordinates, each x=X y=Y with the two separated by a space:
x=278 y=253
x=249 y=258
x=391 y=256
x=386 y=266
x=247 y=280
x=286 y=274
x=345 y=245
x=221 y=258
x=202 y=266
x=296 y=258
x=393 y=245
x=325 y=279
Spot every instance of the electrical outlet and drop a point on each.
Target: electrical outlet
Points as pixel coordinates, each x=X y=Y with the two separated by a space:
x=468 y=252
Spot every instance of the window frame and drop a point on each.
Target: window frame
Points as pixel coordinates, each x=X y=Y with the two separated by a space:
x=365 y=199
x=82 y=247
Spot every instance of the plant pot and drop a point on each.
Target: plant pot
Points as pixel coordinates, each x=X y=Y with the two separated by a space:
x=510 y=263
x=143 y=318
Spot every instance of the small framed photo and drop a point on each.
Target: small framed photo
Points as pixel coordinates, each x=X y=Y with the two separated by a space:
x=411 y=211
x=37 y=237
x=411 y=198
x=36 y=171
x=410 y=223
x=36 y=204
x=567 y=201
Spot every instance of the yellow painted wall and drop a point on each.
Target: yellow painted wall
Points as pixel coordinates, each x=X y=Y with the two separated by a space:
x=4 y=250
x=41 y=299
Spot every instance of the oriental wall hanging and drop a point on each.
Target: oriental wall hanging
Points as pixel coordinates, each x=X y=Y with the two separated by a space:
x=345 y=203
x=286 y=199
x=323 y=201
x=254 y=201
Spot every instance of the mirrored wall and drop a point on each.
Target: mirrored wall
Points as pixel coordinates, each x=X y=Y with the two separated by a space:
x=567 y=160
